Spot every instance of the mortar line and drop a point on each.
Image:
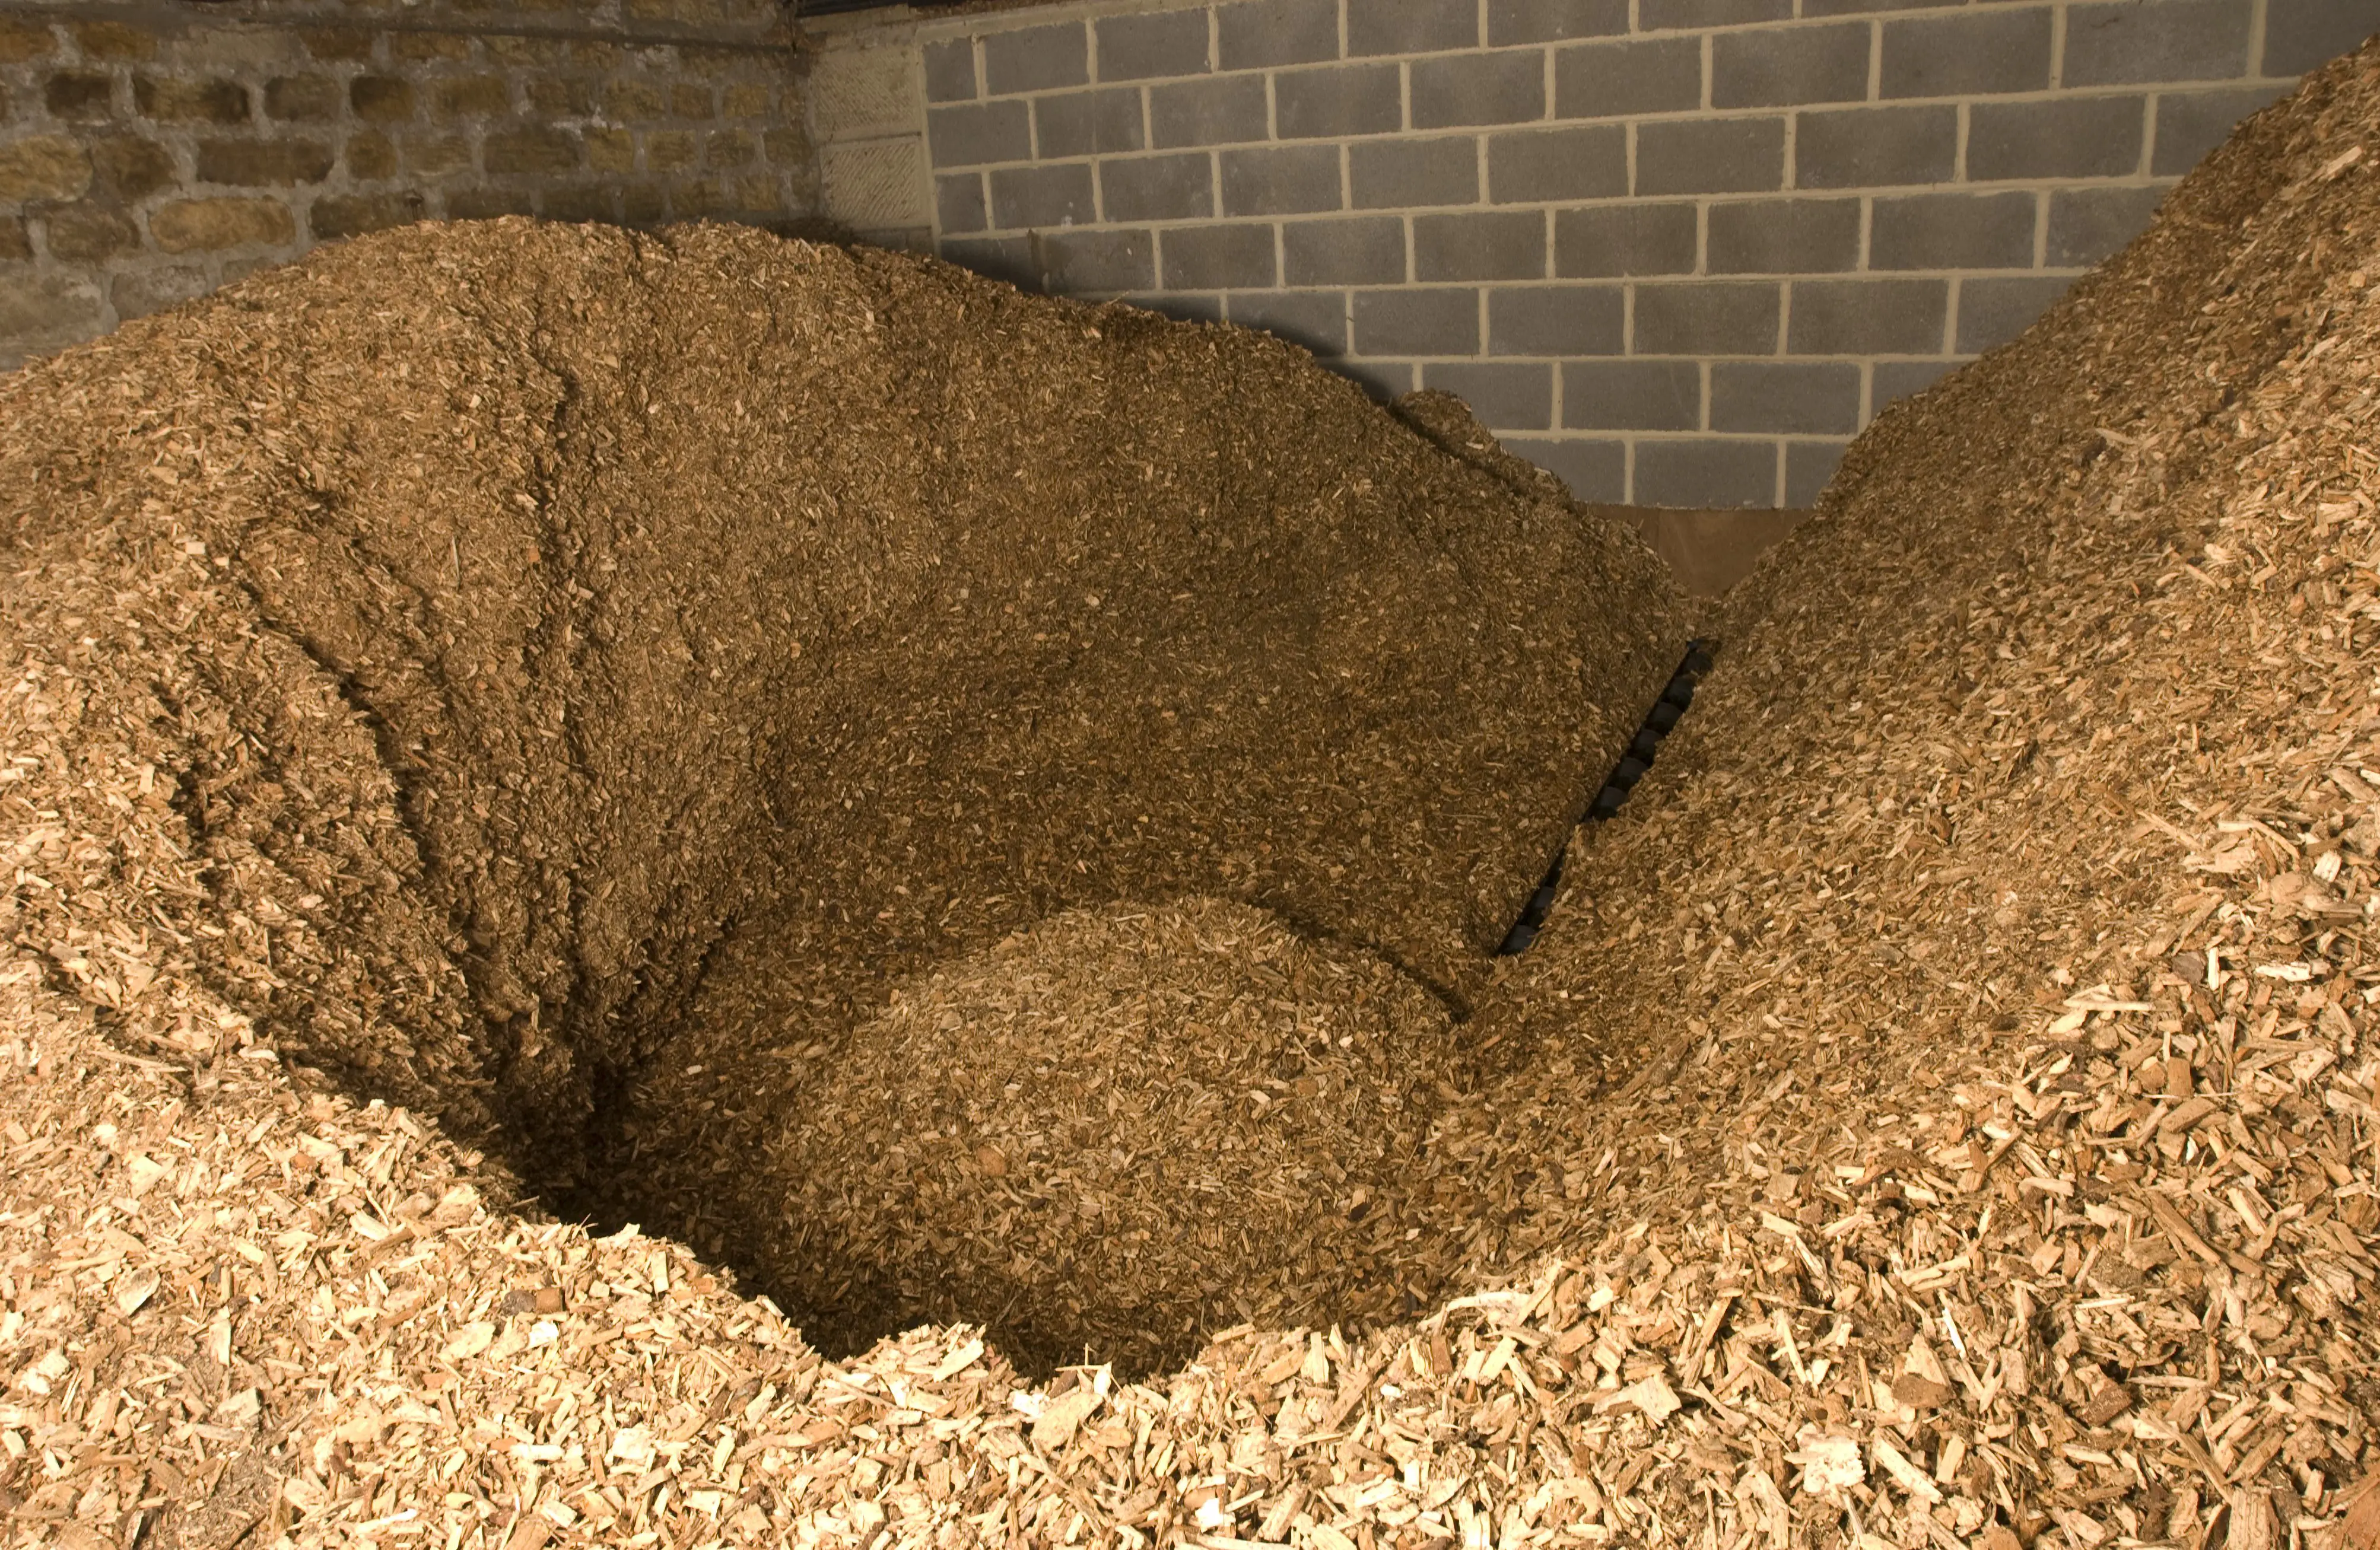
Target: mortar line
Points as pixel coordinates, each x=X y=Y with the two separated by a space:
x=2057 y=47
x=2259 y=11
x=1875 y=61
x=1628 y=467
x=1776 y=491
x=2041 y=228
x=1705 y=100
x=2152 y=114
x=1958 y=155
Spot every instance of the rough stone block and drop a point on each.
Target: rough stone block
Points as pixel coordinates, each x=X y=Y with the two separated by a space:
x=581 y=201
x=1704 y=474
x=380 y=98
x=1036 y=59
x=1162 y=43
x=950 y=71
x=1789 y=67
x=44 y=167
x=1480 y=245
x=1706 y=318
x=1417 y=323
x=1338 y=99
x=1625 y=239
x=112 y=41
x=2122 y=41
x=977 y=133
x=1615 y=80
x=1783 y=237
x=1973 y=52
x=959 y=204
x=670 y=150
x=1952 y=231
x=1866 y=317
x=1262 y=32
x=1632 y=396
x=1875 y=148
x=743 y=100
x=430 y=47
x=1315 y=319
x=1075 y=262
x=2086 y=225
x=1551 y=21
x=607 y=149
x=1026 y=197
x=633 y=100
x=139 y=294
x=15 y=241
x=1594 y=469
x=1557 y=320
x=1505 y=395
x=788 y=147
x=1798 y=398
x=1223 y=110
x=279 y=164
x=1893 y=380
x=2301 y=35
x=301 y=99
x=347 y=45
x=1220 y=258
x=85 y=233
x=1507 y=87
x=486 y=204
x=436 y=155
x=2191 y=123
x=2066 y=137
x=1176 y=188
x=24 y=39
x=1087 y=123
x=43 y=312
x=643 y=204
x=1585 y=162
x=1710 y=156
x=1809 y=469
x=729 y=149
x=1662 y=16
x=182 y=100
x=471 y=96
x=1282 y=180
x=1377 y=27
x=690 y=100
x=82 y=95
x=1995 y=310
x=1402 y=173
x=211 y=225
x=530 y=147
x=1365 y=250
x=571 y=97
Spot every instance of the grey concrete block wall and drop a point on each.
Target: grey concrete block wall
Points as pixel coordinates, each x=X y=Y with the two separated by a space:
x=1679 y=251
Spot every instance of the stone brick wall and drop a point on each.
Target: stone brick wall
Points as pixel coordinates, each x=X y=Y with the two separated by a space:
x=151 y=151
x=1677 y=251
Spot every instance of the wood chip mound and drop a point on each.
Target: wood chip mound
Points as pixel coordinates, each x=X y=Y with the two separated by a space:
x=1118 y=1129
x=1943 y=1108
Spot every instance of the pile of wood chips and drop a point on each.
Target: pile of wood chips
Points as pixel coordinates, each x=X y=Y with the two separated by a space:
x=1941 y=1112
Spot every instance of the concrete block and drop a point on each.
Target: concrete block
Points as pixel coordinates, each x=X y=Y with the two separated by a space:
x=87 y=233
x=2124 y=42
x=1176 y=188
x=1076 y=262
x=1223 y=110
x=1704 y=474
x=1058 y=195
x=1893 y=380
x=1376 y=27
x=2086 y=225
x=1580 y=161
x=1417 y=323
x=1783 y=237
x=1788 y=66
x=1508 y=87
x=1974 y=52
x=1383 y=380
x=1595 y=470
x=2301 y=35
x=1315 y=319
x=1952 y=231
x=1711 y=550
x=950 y=71
x=1036 y=59
x=1706 y=318
x=1220 y=258
x=1008 y=258
x=873 y=186
x=1875 y=148
x=1182 y=306
x=1622 y=239
x=1551 y=21
x=124 y=165
x=1557 y=320
x=1787 y=397
x=1632 y=396
x=1480 y=245
x=1363 y=250
x=341 y=215
x=977 y=133
x=211 y=226
x=1809 y=469
x=1626 y=80
x=1258 y=33
x=2065 y=137
x=1402 y=173
x=860 y=93
x=1710 y=156
x=1281 y=180
x=959 y=205
x=1995 y=310
x=1337 y=100
x=1158 y=44
x=1505 y=395
x=263 y=163
x=2191 y=123
x=1085 y=123
x=1662 y=16
x=1866 y=317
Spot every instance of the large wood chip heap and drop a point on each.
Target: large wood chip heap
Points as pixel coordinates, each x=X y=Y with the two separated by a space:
x=1941 y=1110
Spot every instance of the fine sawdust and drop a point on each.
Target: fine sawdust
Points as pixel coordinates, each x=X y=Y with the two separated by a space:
x=1940 y=1111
